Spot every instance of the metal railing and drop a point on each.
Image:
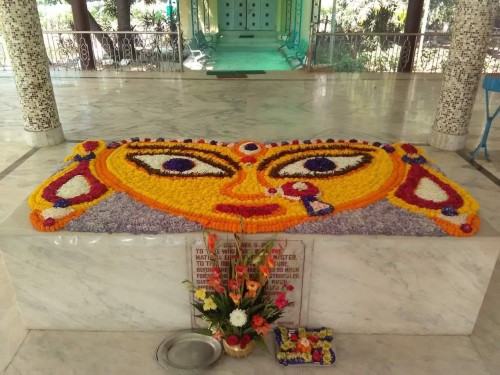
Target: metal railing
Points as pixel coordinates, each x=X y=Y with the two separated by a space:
x=117 y=51
x=382 y=52
x=160 y=51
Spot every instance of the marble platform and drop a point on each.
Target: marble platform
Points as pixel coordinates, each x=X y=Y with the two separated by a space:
x=359 y=284
x=383 y=107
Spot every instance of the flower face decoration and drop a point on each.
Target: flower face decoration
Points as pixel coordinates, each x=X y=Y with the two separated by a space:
x=272 y=187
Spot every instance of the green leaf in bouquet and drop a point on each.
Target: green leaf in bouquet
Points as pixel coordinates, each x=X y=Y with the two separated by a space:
x=253 y=309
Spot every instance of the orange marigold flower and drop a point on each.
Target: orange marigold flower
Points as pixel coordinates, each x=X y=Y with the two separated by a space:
x=211 y=242
x=303 y=345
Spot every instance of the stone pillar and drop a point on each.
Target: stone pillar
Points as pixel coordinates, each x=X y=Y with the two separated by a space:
x=23 y=36
x=473 y=25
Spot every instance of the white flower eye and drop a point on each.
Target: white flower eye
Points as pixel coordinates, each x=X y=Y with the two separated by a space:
x=320 y=166
x=180 y=165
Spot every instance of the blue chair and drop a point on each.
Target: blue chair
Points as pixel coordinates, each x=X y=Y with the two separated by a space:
x=490 y=83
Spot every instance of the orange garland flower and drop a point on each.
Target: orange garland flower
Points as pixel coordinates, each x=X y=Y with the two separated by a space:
x=384 y=173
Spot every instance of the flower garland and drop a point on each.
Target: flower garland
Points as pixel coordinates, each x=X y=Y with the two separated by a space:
x=304 y=346
x=273 y=186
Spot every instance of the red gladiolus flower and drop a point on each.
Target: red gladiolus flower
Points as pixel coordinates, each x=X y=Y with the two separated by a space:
x=211 y=241
x=217 y=335
x=262 y=330
x=244 y=341
x=215 y=282
x=281 y=301
x=219 y=289
x=257 y=321
x=235 y=297
x=232 y=340
x=216 y=270
x=270 y=261
x=233 y=284
x=252 y=287
x=240 y=279
x=242 y=270
x=265 y=271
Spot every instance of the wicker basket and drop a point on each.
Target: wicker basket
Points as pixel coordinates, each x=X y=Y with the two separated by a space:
x=236 y=352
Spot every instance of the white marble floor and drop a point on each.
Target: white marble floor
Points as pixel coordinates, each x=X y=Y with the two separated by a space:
x=269 y=107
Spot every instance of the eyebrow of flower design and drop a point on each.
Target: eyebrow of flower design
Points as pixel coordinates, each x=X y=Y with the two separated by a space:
x=185 y=148
x=182 y=164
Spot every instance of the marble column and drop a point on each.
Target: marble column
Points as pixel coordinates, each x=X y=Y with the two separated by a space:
x=23 y=36
x=472 y=28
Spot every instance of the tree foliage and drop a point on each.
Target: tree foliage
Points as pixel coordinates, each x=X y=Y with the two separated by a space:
x=371 y=16
x=384 y=15
x=441 y=14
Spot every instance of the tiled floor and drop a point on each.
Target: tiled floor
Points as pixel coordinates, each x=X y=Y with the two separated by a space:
x=267 y=107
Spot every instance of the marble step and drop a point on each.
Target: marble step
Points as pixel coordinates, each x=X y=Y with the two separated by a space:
x=230 y=41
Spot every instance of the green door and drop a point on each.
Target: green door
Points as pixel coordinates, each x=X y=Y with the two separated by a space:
x=247 y=15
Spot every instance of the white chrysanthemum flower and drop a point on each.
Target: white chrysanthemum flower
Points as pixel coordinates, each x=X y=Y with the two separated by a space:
x=238 y=318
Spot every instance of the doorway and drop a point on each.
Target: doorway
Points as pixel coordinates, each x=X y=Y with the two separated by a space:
x=255 y=15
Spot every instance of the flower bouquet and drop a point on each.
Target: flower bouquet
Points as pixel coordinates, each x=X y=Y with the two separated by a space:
x=235 y=306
